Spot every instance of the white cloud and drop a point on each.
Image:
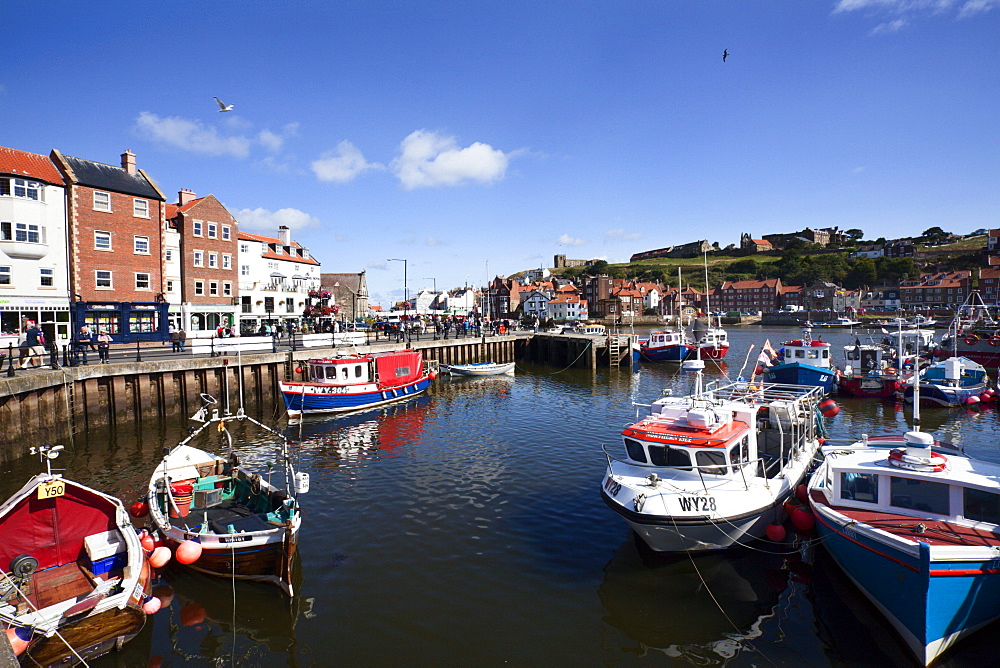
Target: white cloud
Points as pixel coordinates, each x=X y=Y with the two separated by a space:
x=427 y=160
x=342 y=164
x=271 y=141
x=567 y=240
x=262 y=219
x=622 y=234
x=889 y=27
x=858 y=170
x=433 y=241
x=910 y=8
x=973 y=7
x=189 y=135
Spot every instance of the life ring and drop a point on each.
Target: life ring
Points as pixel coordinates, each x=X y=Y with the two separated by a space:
x=971 y=340
x=933 y=464
x=995 y=340
x=889 y=371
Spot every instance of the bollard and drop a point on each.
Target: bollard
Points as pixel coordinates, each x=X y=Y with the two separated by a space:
x=274 y=343
x=138 y=356
x=53 y=355
x=211 y=343
x=66 y=360
x=10 y=360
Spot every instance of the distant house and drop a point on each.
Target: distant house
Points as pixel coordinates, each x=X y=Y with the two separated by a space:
x=350 y=293
x=568 y=307
x=755 y=245
x=993 y=242
x=692 y=249
x=938 y=289
x=871 y=251
x=900 y=248
x=750 y=295
x=820 y=237
x=791 y=295
x=535 y=304
x=989 y=285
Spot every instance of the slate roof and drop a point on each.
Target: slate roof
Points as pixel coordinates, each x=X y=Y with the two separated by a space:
x=105 y=177
x=32 y=165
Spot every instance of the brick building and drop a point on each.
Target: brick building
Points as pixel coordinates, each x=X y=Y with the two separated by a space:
x=208 y=256
x=941 y=289
x=750 y=295
x=115 y=216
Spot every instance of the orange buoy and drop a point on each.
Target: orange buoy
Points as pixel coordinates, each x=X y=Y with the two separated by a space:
x=152 y=605
x=147 y=541
x=775 y=533
x=139 y=509
x=829 y=408
x=188 y=552
x=155 y=661
x=802 y=493
x=298 y=369
x=160 y=557
x=791 y=504
x=17 y=642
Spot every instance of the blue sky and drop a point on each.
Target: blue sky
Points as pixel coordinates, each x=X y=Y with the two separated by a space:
x=475 y=138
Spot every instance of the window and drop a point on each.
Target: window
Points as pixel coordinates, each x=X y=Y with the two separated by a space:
x=140 y=208
x=102 y=240
x=635 y=450
x=244 y=270
x=170 y=286
x=196 y=228
x=227 y=261
x=25 y=232
x=923 y=495
x=142 y=281
x=47 y=278
x=213 y=231
x=712 y=462
x=168 y=255
x=213 y=288
x=227 y=289
x=226 y=232
x=141 y=245
x=213 y=260
x=199 y=287
x=244 y=248
x=199 y=258
x=980 y=506
x=103 y=279
x=5 y=275
x=859 y=487
x=102 y=201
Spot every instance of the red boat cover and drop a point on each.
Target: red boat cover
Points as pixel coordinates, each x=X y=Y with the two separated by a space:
x=53 y=530
x=396 y=369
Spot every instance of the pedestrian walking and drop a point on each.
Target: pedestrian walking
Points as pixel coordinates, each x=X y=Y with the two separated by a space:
x=35 y=344
x=181 y=338
x=104 y=345
x=175 y=339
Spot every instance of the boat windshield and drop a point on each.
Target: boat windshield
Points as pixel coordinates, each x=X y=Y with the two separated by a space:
x=981 y=506
x=660 y=455
x=712 y=462
x=924 y=495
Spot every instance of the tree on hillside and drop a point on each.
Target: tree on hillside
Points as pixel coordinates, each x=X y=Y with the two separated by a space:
x=747 y=266
x=597 y=268
x=863 y=273
x=854 y=234
x=893 y=269
x=935 y=234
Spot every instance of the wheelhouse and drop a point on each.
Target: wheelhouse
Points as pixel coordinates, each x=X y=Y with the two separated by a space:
x=342 y=371
x=659 y=339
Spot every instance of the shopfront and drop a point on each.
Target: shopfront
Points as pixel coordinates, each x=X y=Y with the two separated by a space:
x=126 y=322
x=52 y=315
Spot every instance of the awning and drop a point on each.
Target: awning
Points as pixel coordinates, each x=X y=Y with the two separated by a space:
x=296 y=277
x=277 y=275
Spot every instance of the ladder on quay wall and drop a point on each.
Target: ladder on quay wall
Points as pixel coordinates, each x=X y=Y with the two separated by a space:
x=614 y=351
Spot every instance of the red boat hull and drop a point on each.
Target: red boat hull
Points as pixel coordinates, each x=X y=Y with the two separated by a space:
x=882 y=387
x=713 y=352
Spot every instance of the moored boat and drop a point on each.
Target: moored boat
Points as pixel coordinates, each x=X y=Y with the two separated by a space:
x=75 y=576
x=233 y=520
x=665 y=346
x=867 y=373
x=975 y=334
x=354 y=382
x=916 y=526
x=478 y=369
x=804 y=361
x=711 y=470
x=839 y=322
x=950 y=382
x=708 y=342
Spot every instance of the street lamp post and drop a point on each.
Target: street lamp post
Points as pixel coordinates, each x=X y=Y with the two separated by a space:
x=406 y=291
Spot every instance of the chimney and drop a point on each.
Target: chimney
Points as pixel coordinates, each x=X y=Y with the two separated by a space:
x=184 y=196
x=128 y=161
x=284 y=235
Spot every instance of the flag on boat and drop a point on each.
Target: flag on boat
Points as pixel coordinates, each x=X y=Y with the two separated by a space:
x=767 y=354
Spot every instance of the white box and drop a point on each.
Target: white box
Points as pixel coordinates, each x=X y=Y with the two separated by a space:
x=103 y=545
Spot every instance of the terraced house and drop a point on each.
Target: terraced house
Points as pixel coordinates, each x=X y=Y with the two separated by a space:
x=937 y=290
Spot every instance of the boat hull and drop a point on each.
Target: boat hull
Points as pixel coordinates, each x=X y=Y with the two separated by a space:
x=91 y=637
x=980 y=352
x=881 y=387
x=677 y=353
x=712 y=352
x=931 y=602
x=795 y=373
x=932 y=394
x=322 y=398
x=483 y=369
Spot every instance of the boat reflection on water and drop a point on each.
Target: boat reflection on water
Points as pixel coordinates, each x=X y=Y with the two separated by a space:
x=705 y=609
x=351 y=436
x=250 y=621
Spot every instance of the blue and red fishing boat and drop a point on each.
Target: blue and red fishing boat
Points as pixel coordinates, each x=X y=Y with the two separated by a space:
x=804 y=362
x=353 y=382
x=916 y=525
x=665 y=346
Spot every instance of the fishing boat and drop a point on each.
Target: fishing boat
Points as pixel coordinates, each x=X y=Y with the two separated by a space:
x=665 y=346
x=975 y=333
x=950 y=382
x=711 y=470
x=804 y=361
x=710 y=342
x=75 y=576
x=916 y=525
x=839 y=322
x=478 y=369
x=867 y=372
x=354 y=382
x=232 y=519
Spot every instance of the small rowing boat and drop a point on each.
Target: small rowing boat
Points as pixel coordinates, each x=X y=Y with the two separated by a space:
x=478 y=369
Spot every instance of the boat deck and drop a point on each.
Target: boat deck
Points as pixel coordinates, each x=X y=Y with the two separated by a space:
x=54 y=585
x=227 y=517
x=935 y=532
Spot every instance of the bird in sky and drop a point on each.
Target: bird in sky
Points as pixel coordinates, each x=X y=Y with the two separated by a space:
x=725 y=54
x=228 y=107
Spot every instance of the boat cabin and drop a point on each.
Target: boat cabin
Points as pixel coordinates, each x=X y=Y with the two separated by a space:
x=665 y=338
x=342 y=371
x=960 y=371
x=707 y=439
x=865 y=360
x=812 y=352
x=714 y=337
x=594 y=330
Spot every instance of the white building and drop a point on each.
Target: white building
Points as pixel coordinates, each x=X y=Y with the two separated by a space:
x=461 y=301
x=568 y=307
x=276 y=276
x=651 y=299
x=535 y=304
x=424 y=302
x=34 y=278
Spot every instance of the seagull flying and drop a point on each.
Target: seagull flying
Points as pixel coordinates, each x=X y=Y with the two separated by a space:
x=228 y=107
x=725 y=54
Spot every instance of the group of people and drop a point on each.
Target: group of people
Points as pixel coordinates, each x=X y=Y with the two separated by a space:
x=32 y=345
x=85 y=340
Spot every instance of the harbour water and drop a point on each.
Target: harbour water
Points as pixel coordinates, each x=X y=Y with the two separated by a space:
x=465 y=527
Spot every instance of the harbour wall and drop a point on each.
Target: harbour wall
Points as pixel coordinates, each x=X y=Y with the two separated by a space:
x=55 y=406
